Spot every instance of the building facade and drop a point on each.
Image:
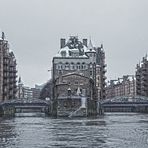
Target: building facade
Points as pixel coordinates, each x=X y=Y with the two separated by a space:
x=142 y=77
x=36 y=92
x=83 y=58
x=70 y=90
x=8 y=72
x=77 y=63
x=125 y=86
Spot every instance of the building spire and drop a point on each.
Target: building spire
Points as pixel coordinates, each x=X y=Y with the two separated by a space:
x=3 y=35
x=19 y=81
x=146 y=56
x=90 y=45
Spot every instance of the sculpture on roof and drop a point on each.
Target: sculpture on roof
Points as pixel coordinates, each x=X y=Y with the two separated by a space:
x=74 y=43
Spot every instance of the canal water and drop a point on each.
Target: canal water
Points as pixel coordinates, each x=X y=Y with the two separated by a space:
x=113 y=130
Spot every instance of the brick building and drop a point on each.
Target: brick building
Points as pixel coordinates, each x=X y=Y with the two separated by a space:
x=82 y=63
x=25 y=92
x=83 y=58
x=70 y=88
x=125 y=86
x=8 y=72
x=142 y=77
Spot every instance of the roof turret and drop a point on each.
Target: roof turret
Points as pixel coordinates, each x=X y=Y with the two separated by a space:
x=90 y=47
x=73 y=47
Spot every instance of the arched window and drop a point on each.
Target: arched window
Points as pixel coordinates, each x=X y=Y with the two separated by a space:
x=78 y=66
x=67 y=66
x=91 y=65
x=83 y=66
x=72 y=66
x=59 y=66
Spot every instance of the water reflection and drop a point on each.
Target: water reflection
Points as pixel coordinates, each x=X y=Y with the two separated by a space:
x=7 y=133
x=111 y=130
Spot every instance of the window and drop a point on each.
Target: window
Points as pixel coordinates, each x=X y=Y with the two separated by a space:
x=90 y=65
x=90 y=73
x=60 y=72
x=78 y=66
x=59 y=66
x=67 y=66
x=83 y=66
x=63 y=53
x=72 y=66
x=76 y=82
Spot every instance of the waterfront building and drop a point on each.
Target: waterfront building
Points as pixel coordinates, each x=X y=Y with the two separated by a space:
x=79 y=69
x=83 y=58
x=8 y=72
x=125 y=86
x=142 y=77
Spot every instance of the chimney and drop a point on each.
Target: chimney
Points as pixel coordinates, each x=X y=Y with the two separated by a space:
x=85 y=42
x=62 y=43
x=3 y=35
x=101 y=45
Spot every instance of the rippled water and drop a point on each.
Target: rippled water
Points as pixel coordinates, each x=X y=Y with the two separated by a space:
x=113 y=130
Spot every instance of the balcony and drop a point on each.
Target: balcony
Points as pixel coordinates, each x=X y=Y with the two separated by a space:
x=104 y=71
x=104 y=65
x=104 y=78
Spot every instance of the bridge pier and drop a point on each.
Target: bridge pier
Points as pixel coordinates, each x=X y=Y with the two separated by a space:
x=100 y=109
x=6 y=111
x=91 y=108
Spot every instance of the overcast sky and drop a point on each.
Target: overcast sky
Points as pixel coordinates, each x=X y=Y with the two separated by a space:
x=34 y=28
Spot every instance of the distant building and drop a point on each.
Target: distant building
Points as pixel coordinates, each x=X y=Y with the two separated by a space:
x=125 y=86
x=27 y=92
x=142 y=77
x=8 y=72
x=36 y=92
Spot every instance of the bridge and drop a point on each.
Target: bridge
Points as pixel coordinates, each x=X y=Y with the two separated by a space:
x=10 y=107
x=125 y=104
x=118 y=104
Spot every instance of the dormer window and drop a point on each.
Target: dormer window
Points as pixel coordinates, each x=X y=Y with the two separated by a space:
x=63 y=53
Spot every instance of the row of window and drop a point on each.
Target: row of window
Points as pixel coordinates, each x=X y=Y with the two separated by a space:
x=71 y=66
